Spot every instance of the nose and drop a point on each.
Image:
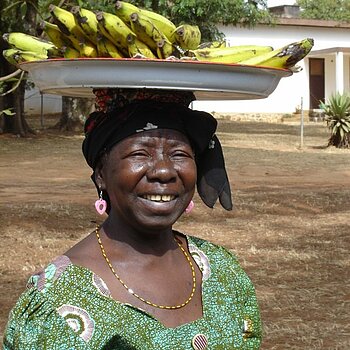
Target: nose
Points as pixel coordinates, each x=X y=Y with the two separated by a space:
x=162 y=170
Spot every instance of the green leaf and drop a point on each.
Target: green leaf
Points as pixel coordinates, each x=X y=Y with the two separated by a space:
x=10 y=7
x=23 y=10
x=8 y=112
x=346 y=129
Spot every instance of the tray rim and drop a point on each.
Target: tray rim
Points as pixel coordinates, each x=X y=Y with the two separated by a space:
x=273 y=74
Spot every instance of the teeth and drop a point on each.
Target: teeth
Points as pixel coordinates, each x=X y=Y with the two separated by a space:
x=159 y=198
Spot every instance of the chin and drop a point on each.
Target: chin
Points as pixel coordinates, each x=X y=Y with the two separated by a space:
x=155 y=223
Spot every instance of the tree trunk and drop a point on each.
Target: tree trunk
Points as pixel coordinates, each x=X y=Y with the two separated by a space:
x=20 y=125
x=16 y=124
x=5 y=101
x=74 y=113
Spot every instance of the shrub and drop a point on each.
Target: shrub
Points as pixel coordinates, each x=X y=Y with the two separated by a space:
x=337 y=111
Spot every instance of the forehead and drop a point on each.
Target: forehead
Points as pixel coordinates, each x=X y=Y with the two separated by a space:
x=166 y=136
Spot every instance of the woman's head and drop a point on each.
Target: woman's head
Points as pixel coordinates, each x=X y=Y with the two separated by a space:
x=122 y=117
x=150 y=178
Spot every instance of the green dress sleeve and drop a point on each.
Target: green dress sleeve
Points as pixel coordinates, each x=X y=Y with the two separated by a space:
x=34 y=324
x=252 y=326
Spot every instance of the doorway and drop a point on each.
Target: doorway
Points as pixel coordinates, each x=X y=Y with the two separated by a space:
x=317 y=82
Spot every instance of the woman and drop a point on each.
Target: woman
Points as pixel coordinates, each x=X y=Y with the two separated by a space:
x=135 y=283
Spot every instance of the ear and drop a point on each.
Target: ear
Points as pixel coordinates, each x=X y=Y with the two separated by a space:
x=99 y=176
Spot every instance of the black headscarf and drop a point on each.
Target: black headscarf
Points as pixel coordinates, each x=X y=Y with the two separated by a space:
x=104 y=129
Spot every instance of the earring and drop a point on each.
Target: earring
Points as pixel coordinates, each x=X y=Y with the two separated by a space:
x=189 y=207
x=101 y=204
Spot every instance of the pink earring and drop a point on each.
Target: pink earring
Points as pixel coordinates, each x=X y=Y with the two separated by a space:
x=101 y=205
x=189 y=207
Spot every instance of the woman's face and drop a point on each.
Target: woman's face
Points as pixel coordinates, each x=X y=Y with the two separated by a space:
x=150 y=178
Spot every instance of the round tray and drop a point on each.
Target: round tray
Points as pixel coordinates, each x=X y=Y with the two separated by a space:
x=209 y=81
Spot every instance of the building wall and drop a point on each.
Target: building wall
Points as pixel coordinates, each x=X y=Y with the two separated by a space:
x=32 y=103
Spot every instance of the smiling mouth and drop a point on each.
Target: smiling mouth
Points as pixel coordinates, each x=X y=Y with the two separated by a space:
x=159 y=198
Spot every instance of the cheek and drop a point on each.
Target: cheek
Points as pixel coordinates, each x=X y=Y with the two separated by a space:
x=188 y=175
x=128 y=176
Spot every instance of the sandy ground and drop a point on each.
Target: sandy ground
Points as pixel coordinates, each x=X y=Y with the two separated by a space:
x=290 y=228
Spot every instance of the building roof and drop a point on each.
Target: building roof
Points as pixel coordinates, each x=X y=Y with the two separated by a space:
x=289 y=15
x=311 y=23
x=331 y=50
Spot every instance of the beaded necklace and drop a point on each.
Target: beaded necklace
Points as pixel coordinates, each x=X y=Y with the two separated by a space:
x=167 y=307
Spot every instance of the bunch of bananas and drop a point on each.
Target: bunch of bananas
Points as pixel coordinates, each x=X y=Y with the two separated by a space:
x=132 y=32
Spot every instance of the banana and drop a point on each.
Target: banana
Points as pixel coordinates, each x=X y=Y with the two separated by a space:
x=70 y=52
x=124 y=10
x=60 y=40
x=88 y=50
x=285 y=57
x=9 y=55
x=87 y=21
x=212 y=45
x=28 y=56
x=188 y=36
x=232 y=54
x=166 y=49
x=137 y=49
x=113 y=28
x=106 y=48
x=54 y=34
x=26 y=42
x=67 y=24
x=146 y=31
x=15 y=56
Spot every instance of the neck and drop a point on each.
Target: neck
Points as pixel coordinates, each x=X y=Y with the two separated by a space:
x=157 y=241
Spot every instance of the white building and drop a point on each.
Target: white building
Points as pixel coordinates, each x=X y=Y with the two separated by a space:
x=325 y=70
x=34 y=101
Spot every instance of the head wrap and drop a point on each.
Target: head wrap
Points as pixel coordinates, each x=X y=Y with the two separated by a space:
x=124 y=112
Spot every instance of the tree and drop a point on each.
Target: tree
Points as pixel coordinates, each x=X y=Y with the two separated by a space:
x=10 y=13
x=337 y=10
x=74 y=112
x=207 y=15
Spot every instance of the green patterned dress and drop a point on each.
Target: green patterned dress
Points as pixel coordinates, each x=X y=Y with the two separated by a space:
x=69 y=307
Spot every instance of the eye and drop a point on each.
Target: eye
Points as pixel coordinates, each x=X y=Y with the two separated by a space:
x=138 y=154
x=182 y=154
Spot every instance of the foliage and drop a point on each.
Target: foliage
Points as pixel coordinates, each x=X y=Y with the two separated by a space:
x=208 y=14
x=338 y=10
x=8 y=112
x=337 y=111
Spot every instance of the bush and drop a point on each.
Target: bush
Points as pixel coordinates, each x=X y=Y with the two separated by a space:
x=337 y=111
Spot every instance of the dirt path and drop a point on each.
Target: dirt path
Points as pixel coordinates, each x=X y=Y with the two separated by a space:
x=290 y=228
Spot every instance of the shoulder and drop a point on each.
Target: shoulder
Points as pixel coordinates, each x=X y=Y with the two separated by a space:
x=34 y=324
x=46 y=277
x=34 y=321
x=218 y=252
x=221 y=262
x=35 y=299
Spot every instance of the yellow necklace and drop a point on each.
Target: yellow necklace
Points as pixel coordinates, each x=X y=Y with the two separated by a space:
x=168 y=307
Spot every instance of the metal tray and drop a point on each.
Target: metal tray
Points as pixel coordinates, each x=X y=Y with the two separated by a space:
x=209 y=81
